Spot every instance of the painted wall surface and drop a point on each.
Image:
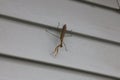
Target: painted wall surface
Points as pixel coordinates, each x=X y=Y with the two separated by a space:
x=31 y=42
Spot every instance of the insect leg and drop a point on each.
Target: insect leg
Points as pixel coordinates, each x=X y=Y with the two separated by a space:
x=52 y=33
x=65 y=46
x=56 y=50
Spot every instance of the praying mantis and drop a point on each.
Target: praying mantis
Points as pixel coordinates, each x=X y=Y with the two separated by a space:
x=61 y=38
x=63 y=31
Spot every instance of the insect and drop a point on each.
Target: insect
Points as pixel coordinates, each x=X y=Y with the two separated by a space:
x=62 y=35
x=61 y=38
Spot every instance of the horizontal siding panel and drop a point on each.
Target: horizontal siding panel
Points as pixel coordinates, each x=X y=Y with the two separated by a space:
x=13 y=69
x=31 y=42
x=80 y=17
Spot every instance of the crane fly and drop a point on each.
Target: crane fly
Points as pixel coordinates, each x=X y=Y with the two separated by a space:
x=62 y=35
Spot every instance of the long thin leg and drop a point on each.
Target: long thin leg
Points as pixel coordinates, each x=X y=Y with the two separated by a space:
x=58 y=24
x=65 y=46
x=56 y=50
x=118 y=4
x=68 y=34
x=52 y=34
x=59 y=28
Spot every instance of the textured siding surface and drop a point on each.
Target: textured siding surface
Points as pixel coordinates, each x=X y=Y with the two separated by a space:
x=12 y=69
x=94 y=46
x=80 y=17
